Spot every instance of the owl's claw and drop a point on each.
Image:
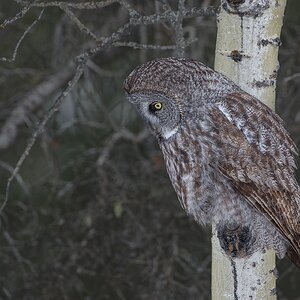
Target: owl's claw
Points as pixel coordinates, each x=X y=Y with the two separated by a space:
x=235 y=240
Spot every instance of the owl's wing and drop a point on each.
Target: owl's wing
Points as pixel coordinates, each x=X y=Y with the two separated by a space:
x=259 y=162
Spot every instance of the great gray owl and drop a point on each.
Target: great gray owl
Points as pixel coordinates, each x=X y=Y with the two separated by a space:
x=228 y=155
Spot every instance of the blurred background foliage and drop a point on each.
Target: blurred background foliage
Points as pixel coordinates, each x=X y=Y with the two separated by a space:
x=92 y=214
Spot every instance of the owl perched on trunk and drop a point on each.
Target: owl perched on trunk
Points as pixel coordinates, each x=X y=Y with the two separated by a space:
x=229 y=158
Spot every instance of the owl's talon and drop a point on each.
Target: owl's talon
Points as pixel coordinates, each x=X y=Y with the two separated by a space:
x=235 y=242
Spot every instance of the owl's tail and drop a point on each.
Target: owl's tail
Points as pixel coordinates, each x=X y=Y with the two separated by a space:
x=294 y=256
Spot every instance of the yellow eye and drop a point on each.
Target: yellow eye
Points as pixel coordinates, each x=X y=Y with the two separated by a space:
x=155 y=106
x=158 y=105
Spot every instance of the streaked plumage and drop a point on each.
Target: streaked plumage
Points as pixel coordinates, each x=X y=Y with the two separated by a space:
x=228 y=155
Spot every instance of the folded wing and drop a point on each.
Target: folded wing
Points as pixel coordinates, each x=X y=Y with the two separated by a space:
x=259 y=162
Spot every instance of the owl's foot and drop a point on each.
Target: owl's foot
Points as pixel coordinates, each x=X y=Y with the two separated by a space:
x=235 y=240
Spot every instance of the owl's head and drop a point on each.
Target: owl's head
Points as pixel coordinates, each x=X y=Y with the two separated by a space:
x=165 y=90
x=162 y=113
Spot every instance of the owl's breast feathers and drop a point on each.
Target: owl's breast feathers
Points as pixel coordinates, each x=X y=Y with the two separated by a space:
x=258 y=159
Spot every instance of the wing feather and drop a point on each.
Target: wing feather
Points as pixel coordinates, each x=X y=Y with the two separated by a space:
x=259 y=161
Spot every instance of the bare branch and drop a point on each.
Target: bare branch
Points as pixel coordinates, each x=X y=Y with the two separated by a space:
x=40 y=128
x=122 y=134
x=179 y=35
x=30 y=102
x=199 y=12
x=102 y=72
x=135 y=45
x=167 y=16
x=13 y=58
x=19 y=15
x=132 y=12
x=105 y=43
x=82 y=5
x=144 y=46
x=19 y=178
x=107 y=149
x=292 y=77
x=79 y=24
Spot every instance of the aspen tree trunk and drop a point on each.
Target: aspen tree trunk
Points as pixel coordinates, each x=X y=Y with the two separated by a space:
x=247 y=52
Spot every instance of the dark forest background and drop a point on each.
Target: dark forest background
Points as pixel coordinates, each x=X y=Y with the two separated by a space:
x=92 y=214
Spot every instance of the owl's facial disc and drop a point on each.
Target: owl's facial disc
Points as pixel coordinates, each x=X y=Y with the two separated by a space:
x=160 y=112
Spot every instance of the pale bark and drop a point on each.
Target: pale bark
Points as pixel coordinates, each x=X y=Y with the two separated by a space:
x=247 y=52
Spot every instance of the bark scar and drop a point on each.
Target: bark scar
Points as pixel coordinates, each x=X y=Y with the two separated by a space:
x=254 y=9
x=276 y=42
x=235 y=281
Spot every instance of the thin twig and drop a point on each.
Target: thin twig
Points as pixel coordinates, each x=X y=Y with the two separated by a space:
x=107 y=149
x=292 y=77
x=132 y=12
x=178 y=27
x=102 y=72
x=19 y=15
x=105 y=43
x=79 y=24
x=12 y=244
x=144 y=46
x=199 y=12
x=18 y=177
x=124 y=30
x=122 y=134
x=13 y=58
x=135 y=45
